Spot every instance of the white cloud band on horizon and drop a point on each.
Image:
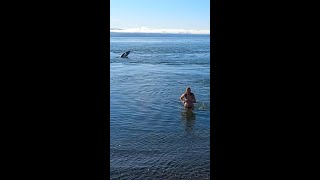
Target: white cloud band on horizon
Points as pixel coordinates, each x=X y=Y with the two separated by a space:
x=164 y=31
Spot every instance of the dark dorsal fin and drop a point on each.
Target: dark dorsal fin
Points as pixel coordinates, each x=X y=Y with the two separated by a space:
x=124 y=55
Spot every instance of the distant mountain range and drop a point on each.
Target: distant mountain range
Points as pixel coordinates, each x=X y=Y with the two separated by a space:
x=115 y=29
x=120 y=34
x=149 y=31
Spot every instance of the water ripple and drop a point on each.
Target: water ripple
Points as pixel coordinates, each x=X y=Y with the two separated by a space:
x=152 y=136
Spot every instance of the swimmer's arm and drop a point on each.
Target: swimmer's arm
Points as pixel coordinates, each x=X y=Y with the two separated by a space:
x=182 y=97
x=194 y=99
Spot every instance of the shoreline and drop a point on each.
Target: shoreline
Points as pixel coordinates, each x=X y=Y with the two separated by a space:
x=141 y=34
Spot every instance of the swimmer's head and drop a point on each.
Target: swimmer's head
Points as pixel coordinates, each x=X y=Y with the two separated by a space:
x=188 y=89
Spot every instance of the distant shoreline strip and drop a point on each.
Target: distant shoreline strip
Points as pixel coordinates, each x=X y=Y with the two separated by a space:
x=134 y=34
x=161 y=31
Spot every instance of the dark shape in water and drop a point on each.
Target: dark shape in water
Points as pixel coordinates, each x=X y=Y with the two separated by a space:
x=125 y=55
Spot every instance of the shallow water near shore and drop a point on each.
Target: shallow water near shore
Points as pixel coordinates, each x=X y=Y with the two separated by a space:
x=152 y=136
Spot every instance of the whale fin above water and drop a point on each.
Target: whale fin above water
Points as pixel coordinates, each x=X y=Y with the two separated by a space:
x=125 y=55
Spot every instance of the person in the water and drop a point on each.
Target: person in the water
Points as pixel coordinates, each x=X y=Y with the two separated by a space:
x=188 y=98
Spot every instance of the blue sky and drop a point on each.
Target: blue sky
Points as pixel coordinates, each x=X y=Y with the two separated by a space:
x=160 y=14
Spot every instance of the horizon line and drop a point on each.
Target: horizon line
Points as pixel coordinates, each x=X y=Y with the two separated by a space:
x=162 y=31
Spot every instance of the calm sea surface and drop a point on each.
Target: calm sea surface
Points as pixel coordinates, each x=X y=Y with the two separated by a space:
x=152 y=136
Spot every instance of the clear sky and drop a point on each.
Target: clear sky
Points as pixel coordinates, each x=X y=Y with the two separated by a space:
x=160 y=14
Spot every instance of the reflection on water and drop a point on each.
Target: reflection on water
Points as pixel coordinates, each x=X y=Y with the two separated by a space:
x=188 y=117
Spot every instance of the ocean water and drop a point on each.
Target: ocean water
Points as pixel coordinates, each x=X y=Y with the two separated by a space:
x=152 y=136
